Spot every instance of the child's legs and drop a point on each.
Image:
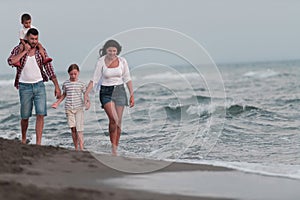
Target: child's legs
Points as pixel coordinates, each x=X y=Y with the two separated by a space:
x=79 y=118
x=71 y=122
x=80 y=139
x=74 y=137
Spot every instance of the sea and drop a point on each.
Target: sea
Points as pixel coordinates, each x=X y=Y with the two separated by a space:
x=245 y=116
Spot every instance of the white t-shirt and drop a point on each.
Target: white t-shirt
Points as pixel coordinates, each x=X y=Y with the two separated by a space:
x=31 y=72
x=111 y=76
x=23 y=32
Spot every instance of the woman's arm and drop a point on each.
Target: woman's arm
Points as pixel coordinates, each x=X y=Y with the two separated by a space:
x=86 y=95
x=89 y=88
x=127 y=80
x=131 y=99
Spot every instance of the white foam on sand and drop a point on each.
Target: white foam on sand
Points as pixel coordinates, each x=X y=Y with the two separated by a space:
x=269 y=169
x=222 y=184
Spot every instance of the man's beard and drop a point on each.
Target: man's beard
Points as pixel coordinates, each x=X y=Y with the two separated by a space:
x=33 y=45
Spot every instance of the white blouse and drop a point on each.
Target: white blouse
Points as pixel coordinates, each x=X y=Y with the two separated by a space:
x=106 y=76
x=23 y=32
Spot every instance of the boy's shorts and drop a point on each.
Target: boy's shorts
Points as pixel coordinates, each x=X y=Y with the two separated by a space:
x=75 y=118
x=32 y=93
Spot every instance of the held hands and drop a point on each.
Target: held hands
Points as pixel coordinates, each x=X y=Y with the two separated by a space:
x=54 y=105
x=59 y=100
x=57 y=92
x=87 y=102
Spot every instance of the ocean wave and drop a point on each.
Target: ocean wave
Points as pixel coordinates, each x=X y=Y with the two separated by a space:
x=171 y=76
x=189 y=111
x=202 y=99
x=7 y=82
x=201 y=89
x=10 y=118
x=161 y=76
x=238 y=109
x=6 y=105
x=207 y=109
x=261 y=74
x=292 y=101
x=174 y=112
x=189 y=100
x=141 y=100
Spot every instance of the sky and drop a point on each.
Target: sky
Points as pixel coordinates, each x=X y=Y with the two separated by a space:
x=230 y=31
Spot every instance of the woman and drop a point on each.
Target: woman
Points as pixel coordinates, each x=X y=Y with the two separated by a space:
x=113 y=72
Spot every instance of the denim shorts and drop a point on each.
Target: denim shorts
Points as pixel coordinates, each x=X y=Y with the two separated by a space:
x=32 y=93
x=116 y=93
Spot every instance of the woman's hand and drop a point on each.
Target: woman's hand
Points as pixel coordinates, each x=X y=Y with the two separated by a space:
x=131 y=101
x=87 y=102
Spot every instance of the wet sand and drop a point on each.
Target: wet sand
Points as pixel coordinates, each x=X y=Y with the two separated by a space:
x=47 y=172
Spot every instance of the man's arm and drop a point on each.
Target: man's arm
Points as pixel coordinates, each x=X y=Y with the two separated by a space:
x=51 y=74
x=16 y=55
x=57 y=91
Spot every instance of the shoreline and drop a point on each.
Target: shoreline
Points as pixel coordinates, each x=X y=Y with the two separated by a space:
x=47 y=172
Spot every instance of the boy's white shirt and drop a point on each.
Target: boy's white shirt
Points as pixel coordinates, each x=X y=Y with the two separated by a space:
x=23 y=32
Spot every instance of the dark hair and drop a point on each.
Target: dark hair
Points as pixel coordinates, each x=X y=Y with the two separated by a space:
x=73 y=66
x=110 y=43
x=32 y=31
x=25 y=17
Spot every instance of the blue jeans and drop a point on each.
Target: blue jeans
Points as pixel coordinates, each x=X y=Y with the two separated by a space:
x=32 y=93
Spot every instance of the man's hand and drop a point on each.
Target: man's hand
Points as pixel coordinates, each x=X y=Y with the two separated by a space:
x=57 y=92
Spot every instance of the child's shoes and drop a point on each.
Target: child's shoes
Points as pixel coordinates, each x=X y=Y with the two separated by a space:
x=17 y=64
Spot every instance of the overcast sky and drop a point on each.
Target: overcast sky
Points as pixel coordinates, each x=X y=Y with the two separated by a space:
x=230 y=30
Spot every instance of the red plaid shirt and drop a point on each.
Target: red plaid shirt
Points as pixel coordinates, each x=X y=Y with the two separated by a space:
x=47 y=70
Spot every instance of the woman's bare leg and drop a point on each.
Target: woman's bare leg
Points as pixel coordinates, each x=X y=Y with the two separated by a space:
x=111 y=113
x=119 y=110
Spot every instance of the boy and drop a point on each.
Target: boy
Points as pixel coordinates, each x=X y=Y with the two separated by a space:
x=73 y=91
x=26 y=21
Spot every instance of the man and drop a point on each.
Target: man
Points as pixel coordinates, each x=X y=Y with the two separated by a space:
x=30 y=78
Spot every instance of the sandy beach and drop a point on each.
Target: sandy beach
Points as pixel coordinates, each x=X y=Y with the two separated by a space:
x=47 y=172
